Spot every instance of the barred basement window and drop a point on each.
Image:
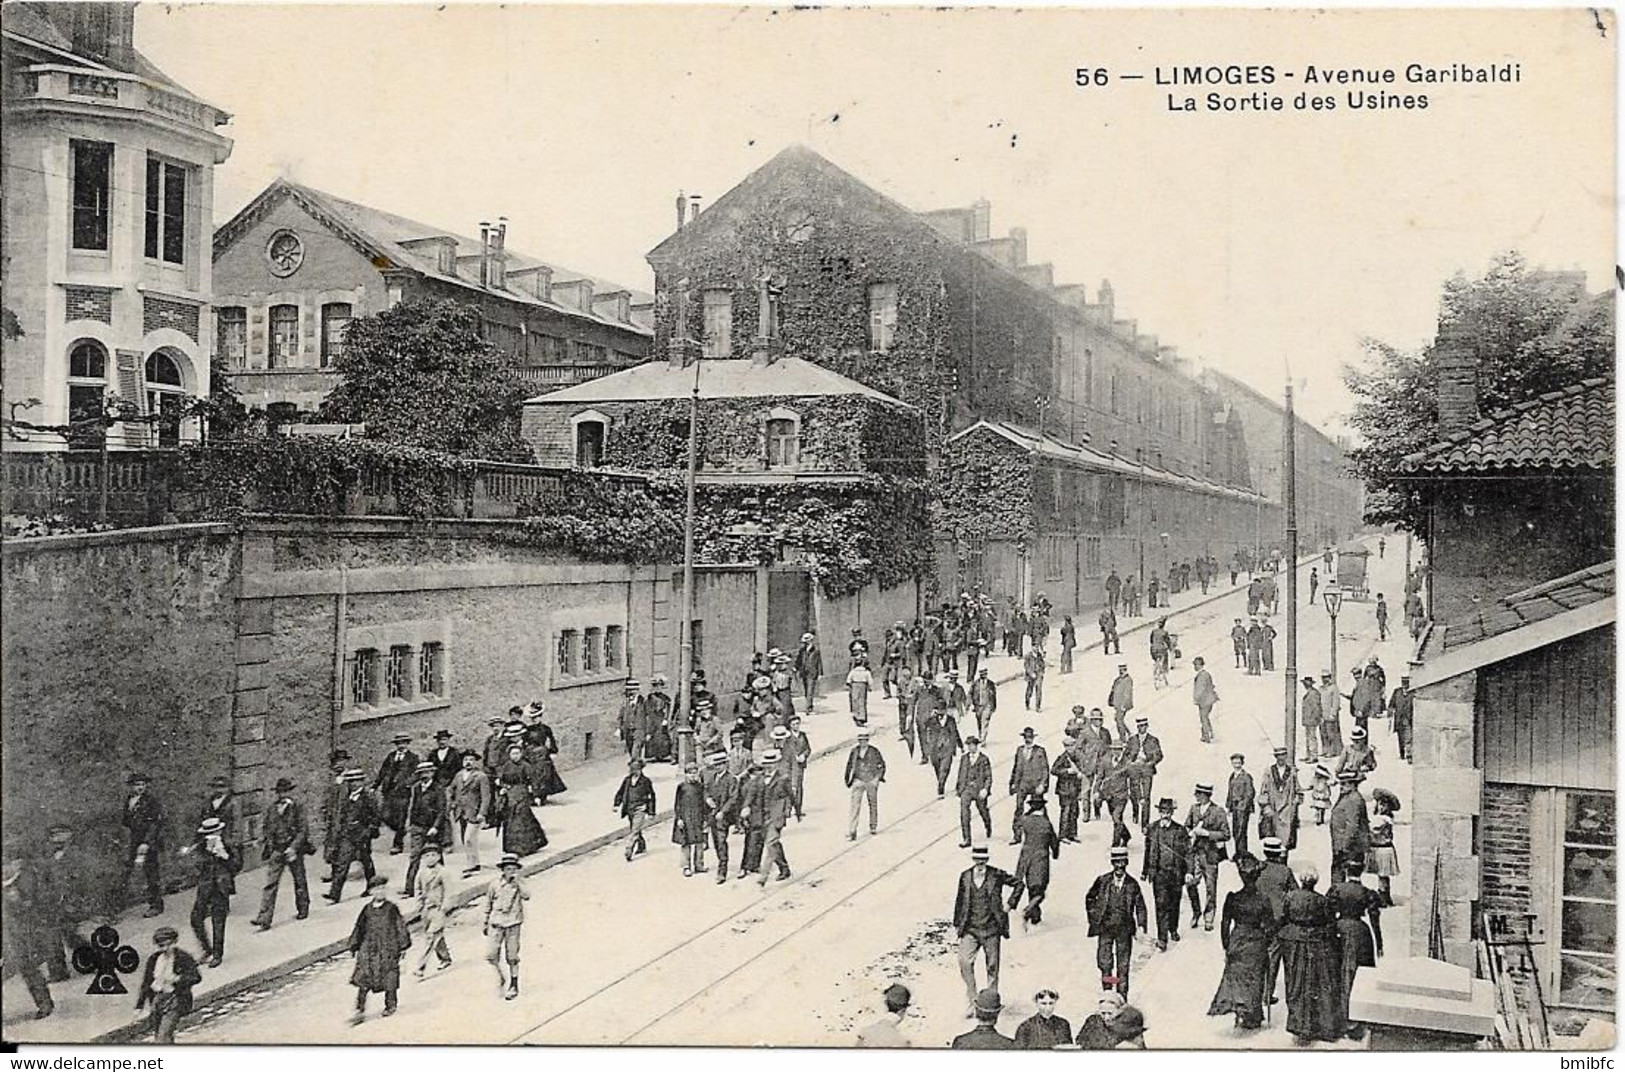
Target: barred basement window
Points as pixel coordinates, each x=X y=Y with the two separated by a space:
x=614 y=648
x=398 y=673
x=592 y=646
x=364 y=677
x=432 y=669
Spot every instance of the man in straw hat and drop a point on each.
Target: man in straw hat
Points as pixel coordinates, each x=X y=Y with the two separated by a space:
x=357 y=824
x=1279 y=797
x=722 y=806
x=504 y=921
x=1274 y=881
x=1116 y=910
x=166 y=984
x=285 y=844
x=218 y=862
x=1210 y=837
x=630 y=725
x=981 y=920
x=986 y=1007
x=865 y=770
x=770 y=808
x=1351 y=823
x=396 y=776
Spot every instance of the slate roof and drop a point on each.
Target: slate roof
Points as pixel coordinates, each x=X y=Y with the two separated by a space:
x=1568 y=429
x=24 y=22
x=385 y=231
x=1532 y=605
x=1077 y=454
x=788 y=377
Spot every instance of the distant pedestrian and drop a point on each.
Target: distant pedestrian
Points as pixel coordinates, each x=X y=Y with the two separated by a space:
x=1401 y=710
x=1032 y=668
x=865 y=770
x=1278 y=800
x=1029 y=776
x=1255 y=648
x=166 y=985
x=1382 y=617
x=809 y=664
x=1121 y=699
x=1143 y=750
x=1039 y=845
x=943 y=743
x=1110 y=642
x=858 y=682
x=333 y=794
x=1331 y=708
x=883 y=1034
x=797 y=751
x=1268 y=647
x=1116 y=910
x=1069 y=786
x=984 y=700
x=1113 y=787
x=378 y=941
x=722 y=806
x=1314 y=584
x=1044 y=1030
x=470 y=806
x=1238 y=642
x=1239 y=797
x=1205 y=696
x=504 y=924
x=1069 y=640
x=985 y=1036
x=1114 y=588
x=690 y=822
x=974 y=783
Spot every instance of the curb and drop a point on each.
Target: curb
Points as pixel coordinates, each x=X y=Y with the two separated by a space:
x=471 y=893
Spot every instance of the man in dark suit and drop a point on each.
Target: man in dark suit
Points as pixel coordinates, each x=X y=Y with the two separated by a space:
x=332 y=797
x=1274 y=881
x=427 y=821
x=1143 y=752
x=218 y=862
x=635 y=800
x=1029 y=776
x=772 y=807
x=221 y=804
x=942 y=741
x=1210 y=833
x=1116 y=909
x=973 y=787
x=166 y=984
x=396 y=775
x=1351 y=822
x=144 y=820
x=447 y=760
x=27 y=934
x=1167 y=863
x=468 y=805
x=722 y=805
x=985 y=1006
x=356 y=822
x=1239 y=799
x=285 y=844
x=981 y=920
x=865 y=770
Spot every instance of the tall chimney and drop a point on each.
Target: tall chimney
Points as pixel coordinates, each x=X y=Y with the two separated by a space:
x=682 y=209
x=485 y=252
x=981 y=216
x=693 y=207
x=1455 y=364
x=1104 y=299
x=1018 y=239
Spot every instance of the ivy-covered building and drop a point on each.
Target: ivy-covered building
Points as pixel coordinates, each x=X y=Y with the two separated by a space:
x=932 y=309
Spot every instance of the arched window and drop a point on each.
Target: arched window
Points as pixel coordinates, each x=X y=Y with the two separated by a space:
x=166 y=395
x=87 y=387
x=783 y=439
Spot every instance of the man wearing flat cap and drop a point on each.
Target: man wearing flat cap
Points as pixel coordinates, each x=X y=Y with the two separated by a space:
x=981 y=920
x=1210 y=836
x=883 y=1034
x=446 y=759
x=144 y=826
x=1029 y=775
x=218 y=862
x=1116 y=910
x=635 y=801
x=1351 y=822
x=1240 y=795
x=396 y=776
x=428 y=825
x=284 y=845
x=166 y=984
x=986 y=1007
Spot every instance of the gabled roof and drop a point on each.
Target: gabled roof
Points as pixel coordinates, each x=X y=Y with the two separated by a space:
x=788 y=377
x=1532 y=605
x=381 y=234
x=1086 y=457
x=1569 y=429
x=1519 y=623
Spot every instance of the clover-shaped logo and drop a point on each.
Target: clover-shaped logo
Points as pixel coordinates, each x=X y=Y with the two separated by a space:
x=103 y=959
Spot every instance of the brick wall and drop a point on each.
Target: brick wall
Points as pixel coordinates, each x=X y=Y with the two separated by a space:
x=116 y=658
x=90 y=303
x=158 y=313
x=1504 y=851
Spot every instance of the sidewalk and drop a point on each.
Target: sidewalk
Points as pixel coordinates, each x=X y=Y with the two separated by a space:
x=578 y=822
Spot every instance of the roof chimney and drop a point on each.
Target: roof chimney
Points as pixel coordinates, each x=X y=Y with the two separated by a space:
x=693 y=207
x=682 y=209
x=1018 y=240
x=981 y=212
x=1104 y=299
x=485 y=252
x=1455 y=366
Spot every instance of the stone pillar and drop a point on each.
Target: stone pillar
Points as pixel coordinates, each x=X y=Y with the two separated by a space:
x=1448 y=798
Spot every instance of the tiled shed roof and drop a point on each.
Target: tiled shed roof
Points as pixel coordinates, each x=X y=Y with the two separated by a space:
x=1568 y=429
x=1532 y=605
x=788 y=377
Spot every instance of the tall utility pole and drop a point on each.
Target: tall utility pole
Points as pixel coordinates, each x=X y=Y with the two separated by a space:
x=685 y=627
x=1289 y=462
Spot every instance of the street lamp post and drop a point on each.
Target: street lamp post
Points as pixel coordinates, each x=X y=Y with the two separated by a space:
x=1334 y=600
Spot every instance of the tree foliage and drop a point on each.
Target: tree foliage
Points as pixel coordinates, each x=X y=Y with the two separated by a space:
x=1533 y=332
x=420 y=374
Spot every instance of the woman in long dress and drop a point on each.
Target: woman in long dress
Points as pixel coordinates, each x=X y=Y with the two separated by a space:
x=517 y=783
x=1352 y=903
x=858 y=680
x=1316 y=1004
x=1244 y=931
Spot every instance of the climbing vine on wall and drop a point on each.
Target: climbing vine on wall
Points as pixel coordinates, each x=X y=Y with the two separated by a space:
x=988 y=489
